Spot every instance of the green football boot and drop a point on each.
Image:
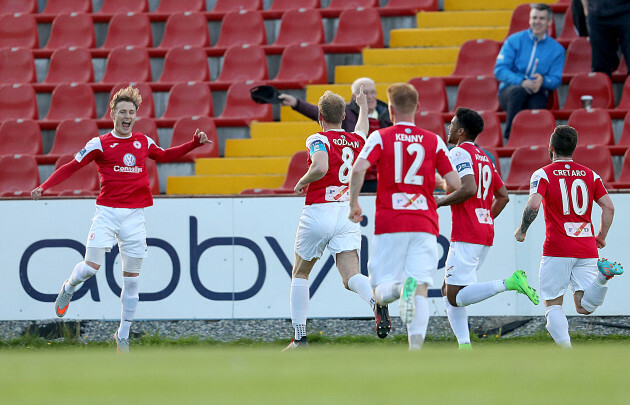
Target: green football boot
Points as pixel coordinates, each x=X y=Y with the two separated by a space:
x=518 y=282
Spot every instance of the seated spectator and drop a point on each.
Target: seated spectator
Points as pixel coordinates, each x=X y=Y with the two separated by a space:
x=529 y=66
x=609 y=28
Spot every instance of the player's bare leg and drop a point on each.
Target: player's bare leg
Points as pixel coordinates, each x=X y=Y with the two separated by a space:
x=557 y=323
x=299 y=298
x=417 y=327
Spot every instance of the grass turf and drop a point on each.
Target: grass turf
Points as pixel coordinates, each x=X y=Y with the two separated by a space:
x=331 y=371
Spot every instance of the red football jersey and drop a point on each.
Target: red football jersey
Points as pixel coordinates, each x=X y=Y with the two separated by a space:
x=568 y=190
x=342 y=148
x=406 y=157
x=472 y=219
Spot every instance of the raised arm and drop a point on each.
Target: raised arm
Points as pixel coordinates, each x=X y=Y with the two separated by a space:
x=363 y=123
x=173 y=153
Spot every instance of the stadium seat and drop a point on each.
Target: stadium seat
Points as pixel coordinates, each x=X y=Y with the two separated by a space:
x=407 y=7
x=128 y=30
x=598 y=159
x=595 y=84
x=621 y=73
x=185 y=128
x=17 y=101
x=186 y=29
x=624 y=103
x=299 y=26
x=21 y=6
x=18 y=31
x=18 y=175
x=112 y=7
x=491 y=136
x=623 y=145
x=240 y=110
x=280 y=7
x=57 y=7
x=70 y=65
x=525 y=161
x=178 y=6
x=478 y=93
x=529 y=127
x=147 y=107
x=71 y=100
x=127 y=64
x=476 y=57
x=75 y=29
x=594 y=126
x=189 y=99
x=568 y=32
x=147 y=126
x=154 y=178
x=578 y=58
x=431 y=121
x=298 y=165
x=623 y=181
x=300 y=65
x=20 y=137
x=17 y=66
x=185 y=64
x=431 y=93
x=242 y=62
x=357 y=29
x=70 y=137
x=520 y=21
x=336 y=7
x=240 y=28
x=83 y=182
x=228 y=6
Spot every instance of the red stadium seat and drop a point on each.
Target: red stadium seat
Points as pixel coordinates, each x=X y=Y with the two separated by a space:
x=147 y=107
x=20 y=137
x=185 y=128
x=525 y=161
x=478 y=93
x=228 y=6
x=358 y=28
x=476 y=57
x=431 y=93
x=124 y=6
x=621 y=73
x=520 y=21
x=598 y=159
x=300 y=65
x=18 y=175
x=17 y=101
x=624 y=177
x=154 y=178
x=17 y=66
x=186 y=29
x=240 y=28
x=624 y=104
x=594 y=84
x=240 y=110
x=242 y=62
x=280 y=7
x=147 y=126
x=70 y=137
x=407 y=7
x=491 y=136
x=336 y=7
x=84 y=182
x=299 y=26
x=18 y=31
x=594 y=127
x=58 y=7
x=568 y=33
x=189 y=99
x=624 y=140
x=578 y=58
x=298 y=165
x=71 y=100
x=21 y=6
x=70 y=65
x=127 y=64
x=76 y=29
x=431 y=121
x=178 y=6
x=128 y=30
x=185 y=64
x=530 y=127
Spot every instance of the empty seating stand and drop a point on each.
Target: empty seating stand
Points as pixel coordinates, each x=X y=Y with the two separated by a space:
x=70 y=137
x=18 y=175
x=240 y=109
x=300 y=65
x=17 y=66
x=186 y=29
x=432 y=91
x=241 y=63
x=476 y=57
x=358 y=28
x=21 y=136
x=183 y=131
x=297 y=27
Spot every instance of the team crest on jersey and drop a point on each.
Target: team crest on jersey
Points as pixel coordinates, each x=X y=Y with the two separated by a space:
x=137 y=144
x=129 y=159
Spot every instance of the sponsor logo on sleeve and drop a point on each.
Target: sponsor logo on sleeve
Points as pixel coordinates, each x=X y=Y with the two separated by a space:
x=463 y=166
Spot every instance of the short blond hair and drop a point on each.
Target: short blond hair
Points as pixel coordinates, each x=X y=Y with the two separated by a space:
x=403 y=97
x=332 y=107
x=130 y=94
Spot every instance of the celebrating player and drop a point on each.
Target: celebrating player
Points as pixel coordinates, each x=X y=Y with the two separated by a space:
x=474 y=207
x=324 y=221
x=120 y=157
x=567 y=190
x=404 y=250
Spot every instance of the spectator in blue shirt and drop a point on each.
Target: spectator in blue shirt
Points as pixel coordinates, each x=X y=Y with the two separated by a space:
x=529 y=66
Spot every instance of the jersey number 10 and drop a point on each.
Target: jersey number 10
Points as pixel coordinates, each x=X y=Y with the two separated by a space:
x=577 y=186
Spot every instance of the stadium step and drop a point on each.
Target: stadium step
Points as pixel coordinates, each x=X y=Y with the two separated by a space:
x=452 y=5
x=442 y=19
x=289 y=114
x=405 y=56
x=241 y=166
x=285 y=130
x=220 y=184
x=264 y=147
x=430 y=37
x=393 y=73
x=315 y=91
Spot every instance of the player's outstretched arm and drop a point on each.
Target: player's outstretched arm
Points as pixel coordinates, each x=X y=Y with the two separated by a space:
x=608 y=212
x=529 y=215
x=468 y=189
x=316 y=171
x=57 y=177
x=363 y=122
x=357 y=176
x=501 y=198
x=173 y=153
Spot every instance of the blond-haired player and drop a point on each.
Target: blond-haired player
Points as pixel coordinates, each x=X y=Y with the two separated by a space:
x=120 y=157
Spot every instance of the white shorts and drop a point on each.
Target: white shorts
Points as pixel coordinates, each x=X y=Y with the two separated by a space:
x=396 y=256
x=124 y=224
x=556 y=273
x=326 y=225
x=463 y=261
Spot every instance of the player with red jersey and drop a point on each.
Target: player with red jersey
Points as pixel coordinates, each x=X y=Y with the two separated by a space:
x=567 y=191
x=404 y=252
x=474 y=207
x=120 y=157
x=324 y=221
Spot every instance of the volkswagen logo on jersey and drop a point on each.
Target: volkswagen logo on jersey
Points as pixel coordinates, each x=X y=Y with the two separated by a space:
x=137 y=144
x=129 y=160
